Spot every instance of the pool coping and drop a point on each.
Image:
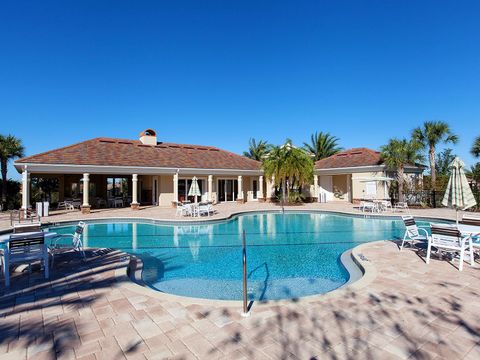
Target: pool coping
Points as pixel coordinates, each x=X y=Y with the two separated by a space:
x=369 y=273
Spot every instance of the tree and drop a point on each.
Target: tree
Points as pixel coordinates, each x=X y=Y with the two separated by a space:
x=10 y=148
x=257 y=150
x=399 y=153
x=429 y=135
x=289 y=167
x=443 y=161
x=322 y=145
x=476 y=147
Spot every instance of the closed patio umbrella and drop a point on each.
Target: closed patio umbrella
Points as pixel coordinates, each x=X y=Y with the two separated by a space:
x=194 y=189
x=458 y=194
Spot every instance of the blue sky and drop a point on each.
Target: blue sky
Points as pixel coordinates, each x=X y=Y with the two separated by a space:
x=220 y=72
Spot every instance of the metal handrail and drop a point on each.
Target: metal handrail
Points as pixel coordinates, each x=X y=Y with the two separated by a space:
x=244 y=259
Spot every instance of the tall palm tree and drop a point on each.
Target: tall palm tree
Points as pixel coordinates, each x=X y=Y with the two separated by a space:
x=257 y=150
x=10 y=148
x=322 y=145
x=290 y=165
x=399 y=153
x=430 y=134
x=476 y=147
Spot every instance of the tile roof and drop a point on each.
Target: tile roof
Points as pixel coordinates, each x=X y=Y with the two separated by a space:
x=350 y=158
x=121 y=152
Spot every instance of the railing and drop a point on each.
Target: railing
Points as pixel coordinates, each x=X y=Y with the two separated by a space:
x=245 y=291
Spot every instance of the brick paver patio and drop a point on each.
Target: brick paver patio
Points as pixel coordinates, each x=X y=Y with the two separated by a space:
x=86 y=311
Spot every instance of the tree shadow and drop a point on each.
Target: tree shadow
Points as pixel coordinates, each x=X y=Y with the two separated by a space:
x=41 y=314
x=395 y=322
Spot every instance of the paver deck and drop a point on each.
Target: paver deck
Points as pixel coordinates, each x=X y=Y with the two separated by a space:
x=85 y=311
x=223 y=210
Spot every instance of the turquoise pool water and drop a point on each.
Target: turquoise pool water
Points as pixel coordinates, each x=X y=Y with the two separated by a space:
x=289 y=255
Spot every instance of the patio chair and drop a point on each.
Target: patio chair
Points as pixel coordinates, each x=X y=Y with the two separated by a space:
x=27 y=227
x=473 y=220
x=76 y=244
x=469 y=219
x=386 y=205
x=447 y=238
x=412 y=233
x=65 y=205
x=25 y=249
x=400 y=206
x=368 y=206
x=205 y=209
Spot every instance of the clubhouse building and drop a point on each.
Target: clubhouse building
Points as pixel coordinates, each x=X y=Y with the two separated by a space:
x=147 y=171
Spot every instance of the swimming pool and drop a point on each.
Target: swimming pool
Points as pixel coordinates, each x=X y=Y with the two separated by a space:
x=289 y=255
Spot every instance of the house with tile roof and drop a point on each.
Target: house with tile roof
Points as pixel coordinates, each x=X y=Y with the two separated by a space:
x=120 y=172
x=356 y=174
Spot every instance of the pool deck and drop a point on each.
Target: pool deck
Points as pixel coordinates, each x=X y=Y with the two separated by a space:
x=223 y=211
x=401 y=309
x=404 y=309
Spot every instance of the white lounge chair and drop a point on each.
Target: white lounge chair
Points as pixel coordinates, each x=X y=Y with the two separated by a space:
x=386 y=205
x=412 y=233
x=76 y=243
x=448 y=238
x=25 y=249
x=65 y=205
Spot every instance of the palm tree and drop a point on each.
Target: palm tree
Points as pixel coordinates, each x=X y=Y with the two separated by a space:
x=430 y=135
x=322 y=145
x=257 y=150
x=290 y=166
x=476 y=147
x=399 y=153
x=10 y=148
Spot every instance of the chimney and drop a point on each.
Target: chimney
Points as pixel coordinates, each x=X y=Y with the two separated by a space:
x=148 y=137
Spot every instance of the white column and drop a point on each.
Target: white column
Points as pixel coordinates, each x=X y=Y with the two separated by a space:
x=260 y=187
x=210 y=187
x=86 y=188
x=315 y=187
x=134 y=203
x=270 y=187
x=240 y=188
x=175 y=187
x=25 y=189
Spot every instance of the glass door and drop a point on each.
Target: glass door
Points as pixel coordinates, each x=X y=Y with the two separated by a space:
x=227 y=190
x=254 y=189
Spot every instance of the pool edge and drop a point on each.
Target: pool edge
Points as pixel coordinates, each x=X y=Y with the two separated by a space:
x=367 y=269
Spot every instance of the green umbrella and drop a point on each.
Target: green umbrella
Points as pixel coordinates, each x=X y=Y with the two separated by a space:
x=458 y=194
x=194 y=189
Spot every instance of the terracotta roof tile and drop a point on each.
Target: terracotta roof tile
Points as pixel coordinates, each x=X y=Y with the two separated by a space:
x=350 y=158
x=122 y=152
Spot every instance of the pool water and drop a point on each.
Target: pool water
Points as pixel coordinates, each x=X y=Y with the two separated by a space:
x=288 y=255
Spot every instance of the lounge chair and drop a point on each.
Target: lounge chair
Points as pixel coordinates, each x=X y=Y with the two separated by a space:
x=65 y=205
x=25 y=249
x=448 y=238
x=76 y=244
x=412 y=233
